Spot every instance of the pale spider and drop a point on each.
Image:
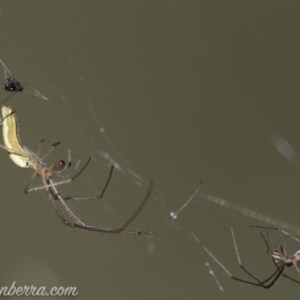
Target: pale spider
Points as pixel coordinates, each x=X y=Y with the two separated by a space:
x=25 y=158
x=279 y=257
x=281 y=260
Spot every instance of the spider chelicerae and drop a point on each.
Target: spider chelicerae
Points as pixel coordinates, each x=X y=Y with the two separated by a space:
x=25 y=158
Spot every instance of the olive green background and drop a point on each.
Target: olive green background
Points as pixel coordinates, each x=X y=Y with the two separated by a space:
x=184 y=91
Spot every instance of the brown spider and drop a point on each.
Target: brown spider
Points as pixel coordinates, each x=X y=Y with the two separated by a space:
x=25 y=158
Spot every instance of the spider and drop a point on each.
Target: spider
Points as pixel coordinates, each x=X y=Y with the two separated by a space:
x=25 y=158
x=282 y=260
x=279 y=257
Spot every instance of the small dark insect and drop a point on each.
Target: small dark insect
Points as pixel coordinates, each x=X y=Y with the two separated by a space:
x=12 y=85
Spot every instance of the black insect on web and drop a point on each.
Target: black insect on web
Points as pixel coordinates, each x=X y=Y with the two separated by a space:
x=12 y=85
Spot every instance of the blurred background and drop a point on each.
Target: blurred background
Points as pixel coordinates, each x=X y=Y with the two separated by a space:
x=171 y=91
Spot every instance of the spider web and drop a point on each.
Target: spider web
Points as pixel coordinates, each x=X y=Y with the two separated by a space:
x=141 y=91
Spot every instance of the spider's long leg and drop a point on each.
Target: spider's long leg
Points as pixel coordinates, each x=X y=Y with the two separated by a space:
x=270 y=252
x=288 y=277
x=54 y=195
x=141 y=206
x=279 y=270
x=80 y=224
x=53 y=146
x=46 y=186
x=261 y=283
x=99 y=196
x=280 y=230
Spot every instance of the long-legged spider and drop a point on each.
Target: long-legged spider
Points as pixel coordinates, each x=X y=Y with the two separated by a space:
x=279 y=257
x=282 y=260
x=25 y=158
